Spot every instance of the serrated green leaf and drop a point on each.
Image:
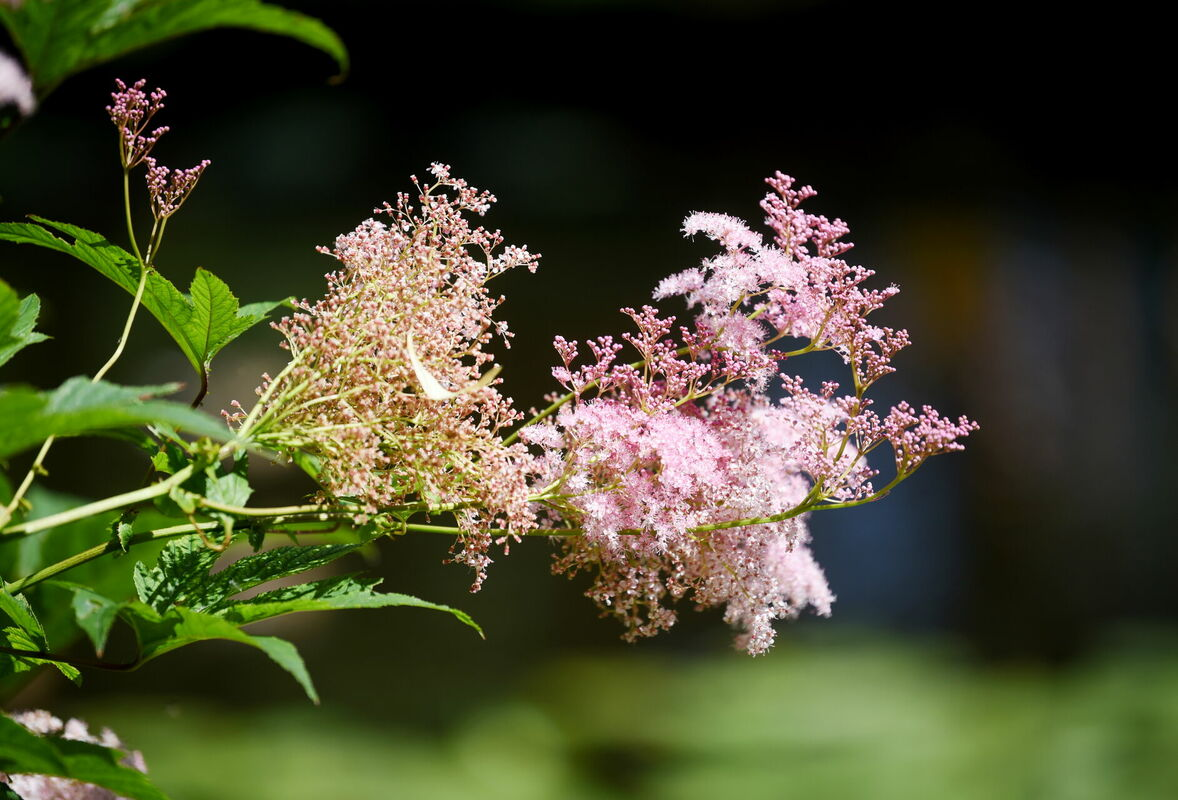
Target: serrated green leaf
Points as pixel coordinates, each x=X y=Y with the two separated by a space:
x=23 y=752
x=7 y=793
x=24 y=555
x=80 y=407
x=281 y=562
x=9 y=309
x=17 y=318
x=330 y=594
x=201 y=324
x=217 y=318
x=162 y=633
x=17 y=609
x=178 y=576
x=26 y=634
x=61 y=37
x=21 y=639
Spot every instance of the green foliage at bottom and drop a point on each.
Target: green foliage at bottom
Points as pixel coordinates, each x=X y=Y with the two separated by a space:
x=826 y=720
x=21 y=751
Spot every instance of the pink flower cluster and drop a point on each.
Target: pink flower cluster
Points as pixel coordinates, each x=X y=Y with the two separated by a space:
x=685 y=476
x=388 y=383
x=168 y=188
x=131 y=110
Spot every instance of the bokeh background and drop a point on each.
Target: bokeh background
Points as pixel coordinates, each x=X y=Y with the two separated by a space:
x=1006 y=621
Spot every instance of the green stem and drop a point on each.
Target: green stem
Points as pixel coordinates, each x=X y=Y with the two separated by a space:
x=871 y=498
x=108 y=504
x=110 y=362
x=127 y=213
x=111 y=546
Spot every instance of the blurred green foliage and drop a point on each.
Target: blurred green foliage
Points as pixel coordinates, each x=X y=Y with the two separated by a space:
x=842 y=718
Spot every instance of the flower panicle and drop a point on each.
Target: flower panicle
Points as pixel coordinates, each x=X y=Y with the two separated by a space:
x=131 y=110
x=686 y=476
x=389 y=381
x=168 y=188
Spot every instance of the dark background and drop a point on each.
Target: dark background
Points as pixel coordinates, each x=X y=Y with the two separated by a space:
x=1007 y=167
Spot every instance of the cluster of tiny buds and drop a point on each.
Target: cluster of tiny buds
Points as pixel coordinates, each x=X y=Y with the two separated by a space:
x=130 y=110
x=169 y=188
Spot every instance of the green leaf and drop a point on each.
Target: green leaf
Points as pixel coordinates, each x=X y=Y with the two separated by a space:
x=281 y=562
x=179 y=575
x=24 y=555
x=22 y=752
x=21 y=639
x=231 y=490
x=18 y=610
x=162 y=633
x=94 y=613
x=330 y=594
x=27 y=634
x=123 y=529
x=61 y=37
x=17 y=318
x=79 y=407
x=164 y=461
x=216 y=317
x=201 y=323
x=181 y=603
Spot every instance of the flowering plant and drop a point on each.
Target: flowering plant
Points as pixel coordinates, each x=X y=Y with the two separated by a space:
x=682 y=460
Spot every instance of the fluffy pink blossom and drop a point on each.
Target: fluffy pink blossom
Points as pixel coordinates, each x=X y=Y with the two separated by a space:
x=685 y=478
x=16 y=88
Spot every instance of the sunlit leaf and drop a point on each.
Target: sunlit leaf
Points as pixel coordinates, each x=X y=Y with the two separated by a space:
x=17 y=317
x=58 y=38
x=179 y=626
x=201 y=323
x=79 y=407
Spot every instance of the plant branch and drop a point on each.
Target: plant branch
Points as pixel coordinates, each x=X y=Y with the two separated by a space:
x=100 y=506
